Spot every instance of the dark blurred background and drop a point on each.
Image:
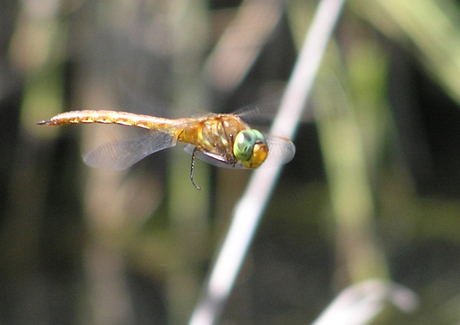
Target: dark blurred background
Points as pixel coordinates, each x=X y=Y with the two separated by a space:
x=373 y=191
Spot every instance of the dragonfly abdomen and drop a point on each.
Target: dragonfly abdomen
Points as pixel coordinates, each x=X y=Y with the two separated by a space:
x=109 y=117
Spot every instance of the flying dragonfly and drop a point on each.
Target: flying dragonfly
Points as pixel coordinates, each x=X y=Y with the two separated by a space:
x=222 y=140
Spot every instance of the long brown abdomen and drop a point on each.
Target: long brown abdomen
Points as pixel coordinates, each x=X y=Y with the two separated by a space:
x=112 y=117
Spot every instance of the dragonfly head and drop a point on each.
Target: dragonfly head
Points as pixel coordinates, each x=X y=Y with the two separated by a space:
x=250 y=148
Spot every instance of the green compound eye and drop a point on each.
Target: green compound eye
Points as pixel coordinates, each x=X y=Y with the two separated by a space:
x=244 y=143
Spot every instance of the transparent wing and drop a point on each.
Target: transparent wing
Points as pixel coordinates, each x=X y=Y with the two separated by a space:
x=281 y=151
x=279 y=148
x=123 y=154
x=257 y=115
x=263 y=111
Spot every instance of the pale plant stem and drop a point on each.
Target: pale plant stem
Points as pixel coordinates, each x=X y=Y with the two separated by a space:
x=248 y=211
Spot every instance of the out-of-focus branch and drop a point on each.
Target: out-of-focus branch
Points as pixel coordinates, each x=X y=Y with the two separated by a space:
x=427 y=28
x=360 y=303
x=241 y=43
x=249 y=210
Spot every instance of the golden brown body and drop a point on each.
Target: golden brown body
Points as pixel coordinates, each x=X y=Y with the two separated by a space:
x=214 y=133
x=223 y=140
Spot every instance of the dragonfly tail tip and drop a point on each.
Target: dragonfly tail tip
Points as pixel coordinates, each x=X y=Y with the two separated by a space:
x=44 y=122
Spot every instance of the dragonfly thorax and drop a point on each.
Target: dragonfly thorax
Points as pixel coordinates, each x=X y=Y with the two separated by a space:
x=228 y=139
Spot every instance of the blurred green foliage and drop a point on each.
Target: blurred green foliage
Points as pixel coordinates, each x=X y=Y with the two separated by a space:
x=372 y=192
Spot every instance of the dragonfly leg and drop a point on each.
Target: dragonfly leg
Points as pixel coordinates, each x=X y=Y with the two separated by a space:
x=192 y=169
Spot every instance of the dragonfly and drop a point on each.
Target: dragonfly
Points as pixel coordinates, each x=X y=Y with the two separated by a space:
x=222 y=140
